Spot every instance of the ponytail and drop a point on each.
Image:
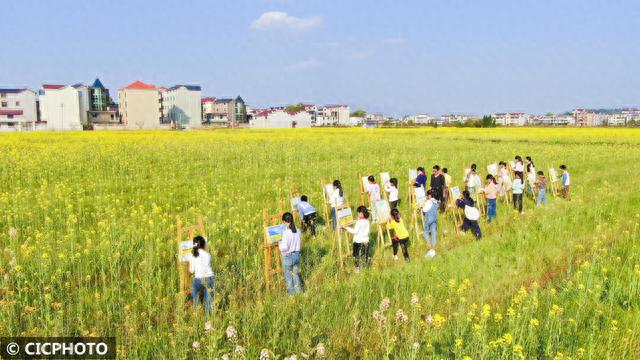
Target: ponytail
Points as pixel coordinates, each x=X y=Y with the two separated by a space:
x=288 y=218
x=198 y=243
x=338 y=185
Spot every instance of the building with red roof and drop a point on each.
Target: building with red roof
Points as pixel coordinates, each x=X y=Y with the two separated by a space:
x=140 y=106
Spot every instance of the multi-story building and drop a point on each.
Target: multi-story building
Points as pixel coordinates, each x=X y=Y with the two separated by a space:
x=61 y=106
x=511 y=119
x=617 y=119
x=333 y=115
x=140 y=106
x=281 y=119
x=583 y=117
x=18 y=109
x=422 y=119
x=225 y=111
x=102 y=110
x=455 y=118
x=553 y=120
x=182 y=106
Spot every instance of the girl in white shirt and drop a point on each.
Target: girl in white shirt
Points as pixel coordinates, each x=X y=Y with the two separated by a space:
x=392 y=188
x=361 y=237
x=200 y=267
x=473 y=180
x=517 y=188
x=290 y=252
x=519 y=167
x=336 y=199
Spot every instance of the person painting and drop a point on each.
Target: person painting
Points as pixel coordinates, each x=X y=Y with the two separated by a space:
x=392 y=189
x=290 y=252
x=307 y=215
x=491 y=193
x=541 y=185
x=200 y=267
x=421 y=179
x=430 y=210
x=517 y=188
x=360 y=234
x=336 y=199
x=519 y=167
x=471 y=214
x=566 y=182
x=438 y=185
x=400 y=234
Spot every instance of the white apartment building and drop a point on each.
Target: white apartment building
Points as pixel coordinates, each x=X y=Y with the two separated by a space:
x=281 y=119
x=553 y=120
x=140 y=106
x=618 y=119
x=18 y=109
x=330 y=115
x=511 y=119
x=422 y=119
x=455 y=118
x=61 y=108
x=182 y=106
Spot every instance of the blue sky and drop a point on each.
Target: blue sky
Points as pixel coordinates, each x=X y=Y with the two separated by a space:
x=397 y=57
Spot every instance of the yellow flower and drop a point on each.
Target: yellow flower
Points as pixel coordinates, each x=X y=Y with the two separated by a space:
x=458 y=342
x=534 y=322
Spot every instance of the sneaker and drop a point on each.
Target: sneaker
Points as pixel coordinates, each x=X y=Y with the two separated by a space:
x=357 y=271
x=395 y=257
x=431 y=253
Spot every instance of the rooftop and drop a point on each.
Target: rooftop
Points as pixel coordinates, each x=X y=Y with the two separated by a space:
x=139 y=85
x=97 y=84
x=52 y=86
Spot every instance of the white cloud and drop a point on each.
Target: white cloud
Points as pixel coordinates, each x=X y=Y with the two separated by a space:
x=395 y=40
x=304 y=65
x=279 y=20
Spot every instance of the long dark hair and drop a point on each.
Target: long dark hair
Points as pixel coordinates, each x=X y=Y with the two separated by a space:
x=338 y=185
x=530 y=161
x=198 y=243
x=518 y=158
x=395 y=214
x=474 y=167
x=394 y=182
x=467 y=195
x=288 y=218
x=492 y=178
x=363 y=210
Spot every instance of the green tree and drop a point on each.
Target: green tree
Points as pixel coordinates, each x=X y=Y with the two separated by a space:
x=488 y=121
x=295 y=108
x=359 y=113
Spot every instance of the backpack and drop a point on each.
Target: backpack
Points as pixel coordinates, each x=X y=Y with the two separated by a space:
x=471 y=213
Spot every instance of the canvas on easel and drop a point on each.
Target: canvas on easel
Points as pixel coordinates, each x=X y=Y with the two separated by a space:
x=364 y=188
x=294 y=200
x=413 y=175
x=184 y=253
x=327 y=189
x=419 y=199
x=344 y=218
x=554 y=181
x=455 y=212
x=492 y=169
x=272 y=234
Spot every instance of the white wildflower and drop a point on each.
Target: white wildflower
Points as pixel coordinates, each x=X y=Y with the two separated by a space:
x=232 y=334
x=208 y=326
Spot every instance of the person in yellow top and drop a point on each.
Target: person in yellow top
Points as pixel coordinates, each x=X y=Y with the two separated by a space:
x=400 y=234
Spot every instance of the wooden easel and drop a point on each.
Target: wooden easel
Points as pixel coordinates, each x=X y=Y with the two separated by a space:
x=268 y=249
x=553 y=182
x=416 y=211
x=364 y=195
x=293 y=193
x=337 y=247
x=410 y=187
x=383 y=193
x=183 y=267
x=455 y=213
x=326 y=202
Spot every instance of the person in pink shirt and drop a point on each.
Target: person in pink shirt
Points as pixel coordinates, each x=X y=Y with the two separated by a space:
x=491 y=193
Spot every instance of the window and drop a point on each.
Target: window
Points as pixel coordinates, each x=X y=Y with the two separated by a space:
x=4 y=104
x=9 y=116
x=17 y=103
x=3 y=95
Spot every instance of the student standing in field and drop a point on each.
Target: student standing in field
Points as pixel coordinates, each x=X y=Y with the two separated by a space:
x=336 y=199
x=541 y=185
x=517 y=188
x=290 y=247
x=519 y=168
x=307 y=215
x=430 y=210
x=400 y=234
x=471 y=214
x=473 y=180
x=374 y=195
x=392 y=189
x=200 y=267
x=360 y=237
x=566 y=182
x=531 y=177
x=491 y=193
x=421 y=180
x=437 y=185
x=504 y=180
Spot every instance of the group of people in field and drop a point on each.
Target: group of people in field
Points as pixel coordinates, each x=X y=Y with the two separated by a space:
x=525 y=179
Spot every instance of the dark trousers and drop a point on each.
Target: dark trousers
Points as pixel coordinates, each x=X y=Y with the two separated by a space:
x=565 y=192
x=473 y=226
x=445 y=199
x=403 y=244
x=517 y=202
x=394 y=204
x=309 y=222
x=361 y=252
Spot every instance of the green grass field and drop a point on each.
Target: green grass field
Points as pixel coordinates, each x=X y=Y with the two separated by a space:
x=88 y=244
